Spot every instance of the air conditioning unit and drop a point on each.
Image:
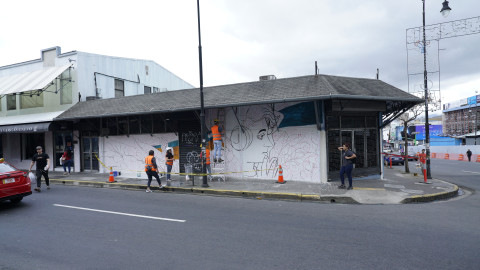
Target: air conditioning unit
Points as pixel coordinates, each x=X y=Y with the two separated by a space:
x=267 y=77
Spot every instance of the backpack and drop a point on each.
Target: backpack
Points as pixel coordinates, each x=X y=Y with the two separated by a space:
x=149 y=168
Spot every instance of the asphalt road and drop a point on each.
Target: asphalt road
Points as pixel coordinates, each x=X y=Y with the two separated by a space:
x=136 y=230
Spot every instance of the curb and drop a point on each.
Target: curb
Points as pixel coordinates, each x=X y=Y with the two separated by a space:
x=432 y=197
x=218 y=192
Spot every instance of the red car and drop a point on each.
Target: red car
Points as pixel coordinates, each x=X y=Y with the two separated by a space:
x=14 y=184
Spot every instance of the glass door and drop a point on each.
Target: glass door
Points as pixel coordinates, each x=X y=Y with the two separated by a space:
x=90 y=154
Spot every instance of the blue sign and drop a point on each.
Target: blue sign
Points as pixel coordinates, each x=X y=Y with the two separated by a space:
x=472 y=100
x=435 y=131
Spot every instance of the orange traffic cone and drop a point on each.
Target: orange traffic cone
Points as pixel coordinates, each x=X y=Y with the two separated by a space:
x=111 y=179
x=280 y=175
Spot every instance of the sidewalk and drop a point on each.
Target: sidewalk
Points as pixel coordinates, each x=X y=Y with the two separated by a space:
x=396 y=188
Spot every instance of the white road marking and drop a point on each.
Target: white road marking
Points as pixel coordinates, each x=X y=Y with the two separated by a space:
x=472 y=172
x=118 y=213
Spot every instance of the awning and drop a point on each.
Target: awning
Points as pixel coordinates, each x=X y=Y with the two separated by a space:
x=33 y=80
x=29 y=118
x=25 y=128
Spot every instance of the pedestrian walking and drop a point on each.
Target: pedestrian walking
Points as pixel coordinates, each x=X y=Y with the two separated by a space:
x=169 y=162
x=348 y=158
x=42 y=160
x=151 y=169
x=469 y=155
x=67 y=161
x=217 y=141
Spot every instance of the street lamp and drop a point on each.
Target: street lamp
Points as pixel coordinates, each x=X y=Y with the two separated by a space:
x=445 y=11
x=476 y=112
x=202 y=106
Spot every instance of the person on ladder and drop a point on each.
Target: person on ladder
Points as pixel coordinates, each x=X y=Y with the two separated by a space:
x=217 y=141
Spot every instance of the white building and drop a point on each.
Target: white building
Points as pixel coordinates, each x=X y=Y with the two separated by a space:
x=33 y=93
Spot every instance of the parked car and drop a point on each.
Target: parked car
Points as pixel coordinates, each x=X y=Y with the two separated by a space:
x=396 y=160
x=14 y=184
x=413 y=157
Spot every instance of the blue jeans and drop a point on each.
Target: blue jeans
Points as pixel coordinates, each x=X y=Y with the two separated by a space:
x=348 y=170
x=217 y=149
x=68 y=163
x=169 y=169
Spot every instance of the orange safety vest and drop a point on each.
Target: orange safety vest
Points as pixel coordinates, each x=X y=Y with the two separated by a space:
x=148 y=162
x=169 y=162
x=207 y=154
x=423 y=158
x=216 y=134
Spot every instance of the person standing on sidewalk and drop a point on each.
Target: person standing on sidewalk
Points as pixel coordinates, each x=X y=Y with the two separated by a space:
x=347 y=166
x=469 y=155
x=423 y=160
x=169 y=162
x=67 y=161
x=43 y=164
x=217 y=141
x=151 y=169
x=207 y=162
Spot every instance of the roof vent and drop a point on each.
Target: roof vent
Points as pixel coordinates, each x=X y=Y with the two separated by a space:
x=267 y=77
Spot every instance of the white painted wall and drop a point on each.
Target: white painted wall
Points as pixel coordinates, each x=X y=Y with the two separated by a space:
x=261 y=147
x=258 y=150
x=127 y=154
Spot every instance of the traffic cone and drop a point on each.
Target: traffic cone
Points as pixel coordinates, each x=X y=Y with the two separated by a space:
x=478 y=158
x=280 y=175
x=460 y=157
x=447 y=156
x=111 y=179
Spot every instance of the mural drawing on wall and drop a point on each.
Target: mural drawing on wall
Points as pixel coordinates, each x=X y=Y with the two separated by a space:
x=261 y=137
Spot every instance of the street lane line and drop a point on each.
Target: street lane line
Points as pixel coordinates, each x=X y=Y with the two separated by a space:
x=472 y=172
x=118 y=213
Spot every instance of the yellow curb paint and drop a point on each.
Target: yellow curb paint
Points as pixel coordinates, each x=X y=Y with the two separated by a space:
x=368 y=188
x=435 y=194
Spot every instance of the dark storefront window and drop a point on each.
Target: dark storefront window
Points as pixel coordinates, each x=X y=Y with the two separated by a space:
x=30 y=141
x=134 y=125
x=146 y=123
x=362 y=133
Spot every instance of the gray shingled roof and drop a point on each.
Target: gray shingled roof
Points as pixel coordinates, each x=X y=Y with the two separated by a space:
x=315 y=87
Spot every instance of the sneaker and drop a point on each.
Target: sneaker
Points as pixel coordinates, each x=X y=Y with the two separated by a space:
x=148 y=190
x=37 y=189
x=65 y=173
x=220 y=160
x=350 y=187
x=161 y=186
x=48 y=187
x=342 y=187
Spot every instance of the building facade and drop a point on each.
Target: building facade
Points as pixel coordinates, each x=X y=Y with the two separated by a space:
x=297 y=123
x=35 y=92
x=461 y=120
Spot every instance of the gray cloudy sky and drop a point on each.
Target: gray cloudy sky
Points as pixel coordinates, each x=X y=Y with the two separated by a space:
x=243 y=40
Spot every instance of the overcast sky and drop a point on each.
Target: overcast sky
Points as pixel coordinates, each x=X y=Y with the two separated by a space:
x=245 y=39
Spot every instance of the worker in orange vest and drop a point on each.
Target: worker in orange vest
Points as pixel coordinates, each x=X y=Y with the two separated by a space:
x=423 y=159
x=217 y=141
x=207 y=162
x=169 y=162
x=151 y=170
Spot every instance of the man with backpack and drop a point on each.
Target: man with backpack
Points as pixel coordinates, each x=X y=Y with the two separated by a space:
x=348 y=159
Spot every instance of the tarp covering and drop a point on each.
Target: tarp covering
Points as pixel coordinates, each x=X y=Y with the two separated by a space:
x=34 y=80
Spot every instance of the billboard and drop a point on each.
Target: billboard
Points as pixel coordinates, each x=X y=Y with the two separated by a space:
x=410 y=133
x=435 y=131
